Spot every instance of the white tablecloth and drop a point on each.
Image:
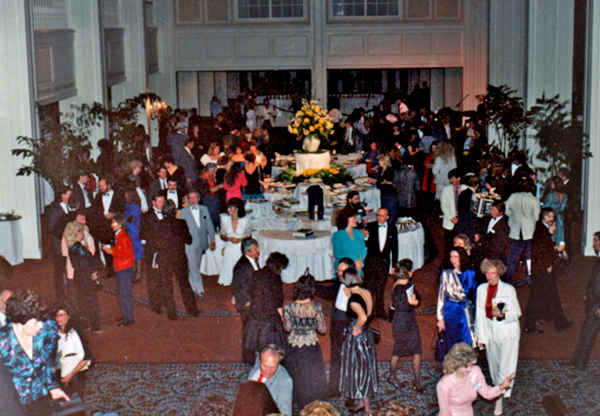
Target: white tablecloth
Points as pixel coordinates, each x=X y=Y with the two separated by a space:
x=370 y=197
x=11 y=241
x=260 y=209
x=212 y=261
x=357 y=171
x=410 y=246
x=315 y=253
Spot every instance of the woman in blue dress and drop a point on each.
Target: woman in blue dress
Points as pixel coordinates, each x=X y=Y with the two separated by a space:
x=348 y=241
x=456 y=300
x=557 y=200
x=133 y=213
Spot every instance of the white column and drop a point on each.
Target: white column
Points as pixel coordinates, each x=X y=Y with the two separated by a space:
x=84 y=19
x=164 y=82
x=591 y=168
x=474 y=74
x=318 y=11
x=16 y=119
x=508 y=44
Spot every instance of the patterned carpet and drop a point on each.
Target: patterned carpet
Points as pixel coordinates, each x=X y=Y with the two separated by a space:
x=172 y=389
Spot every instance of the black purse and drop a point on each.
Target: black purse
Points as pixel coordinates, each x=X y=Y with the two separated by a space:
x=61 y=407
x=441 y=346
x=376 y=336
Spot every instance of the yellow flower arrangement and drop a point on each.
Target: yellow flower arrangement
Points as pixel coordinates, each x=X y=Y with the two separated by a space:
x=310 y=172
x=311 y=119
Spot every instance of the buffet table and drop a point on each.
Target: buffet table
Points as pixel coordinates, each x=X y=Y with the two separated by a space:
x=11 y=242
x=411 y=246
x=314 y=252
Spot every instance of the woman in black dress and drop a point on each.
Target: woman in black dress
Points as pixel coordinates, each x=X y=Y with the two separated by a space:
x=254 y=177
x=385 y=183
x=174 y=172
x=358 y=376
x=303 y=318
x=407 y=340
x=265 y=292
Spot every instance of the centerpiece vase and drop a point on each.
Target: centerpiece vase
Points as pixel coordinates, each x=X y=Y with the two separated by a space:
x=311 y=143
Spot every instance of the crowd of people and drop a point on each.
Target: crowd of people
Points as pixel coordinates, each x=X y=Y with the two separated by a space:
x=156 y=218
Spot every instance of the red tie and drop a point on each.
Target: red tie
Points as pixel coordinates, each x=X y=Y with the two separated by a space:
x=262 y=379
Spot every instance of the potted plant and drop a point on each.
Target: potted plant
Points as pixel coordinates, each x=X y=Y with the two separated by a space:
x=505 y=113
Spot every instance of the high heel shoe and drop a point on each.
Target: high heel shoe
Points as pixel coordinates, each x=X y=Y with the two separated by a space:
x=394 y=382
x=417 y=387
x=357 y=408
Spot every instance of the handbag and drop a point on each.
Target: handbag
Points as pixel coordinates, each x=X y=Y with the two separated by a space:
x=376 y=336
x=61 y=407
x=440 y=345
x=391 y=313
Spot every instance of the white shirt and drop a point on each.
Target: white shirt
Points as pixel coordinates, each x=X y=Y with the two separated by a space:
x=107 y=200
x=158 y=213
x=341 y=301
x=70 y=352
x=2 y=319
x=172 y=195
x=195 y=209
x=163 y=183
x=85 y=195
x=493 y=222
x=382 y=232
x=253 y=263
x=65 y=207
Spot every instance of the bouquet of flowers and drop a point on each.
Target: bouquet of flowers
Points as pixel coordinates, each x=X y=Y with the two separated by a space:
x=311 y=120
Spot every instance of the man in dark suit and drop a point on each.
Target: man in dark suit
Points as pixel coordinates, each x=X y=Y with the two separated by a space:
x=106 y=204
x=186 y=160
x=174 y=194
x=153 y=234
x=171 y=260
x=56 y=220
x=158 y=184
x=242 y=276
x=84 y=196
x=571 y=213
x=492 y=239
x=381 y=243
x=591 y=325
x=467 y=220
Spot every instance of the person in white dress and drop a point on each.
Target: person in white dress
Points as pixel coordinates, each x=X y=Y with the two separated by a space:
x=234 y=228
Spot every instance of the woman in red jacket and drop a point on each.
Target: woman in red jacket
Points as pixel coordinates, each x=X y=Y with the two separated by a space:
x=123 y=256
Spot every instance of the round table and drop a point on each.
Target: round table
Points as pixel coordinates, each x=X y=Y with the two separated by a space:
x=260 y=209
x=411 y=246
x=314 y=252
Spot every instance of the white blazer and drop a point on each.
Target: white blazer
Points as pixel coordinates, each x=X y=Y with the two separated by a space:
x=493 y=330
x=449 y=206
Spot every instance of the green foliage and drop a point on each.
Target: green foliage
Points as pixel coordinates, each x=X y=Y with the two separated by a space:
x=506 y=114
x=54 y=155
x=561 y=143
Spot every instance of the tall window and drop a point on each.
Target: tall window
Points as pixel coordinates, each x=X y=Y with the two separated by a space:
x=359 y=8
x=266 y=9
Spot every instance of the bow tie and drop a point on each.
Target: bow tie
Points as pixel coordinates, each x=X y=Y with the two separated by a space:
x=105 y=195
x=172 y=192
x=382 y=226
x=195 y=207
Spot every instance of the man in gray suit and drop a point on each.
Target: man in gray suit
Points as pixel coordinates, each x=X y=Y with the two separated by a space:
x=268 y=370
x=186 y=160
x=202 y=230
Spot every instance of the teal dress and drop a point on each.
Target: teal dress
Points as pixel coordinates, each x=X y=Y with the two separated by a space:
x=558 y=207
x=344 y=246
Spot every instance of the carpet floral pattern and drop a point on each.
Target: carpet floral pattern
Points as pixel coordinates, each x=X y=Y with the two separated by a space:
x=172 y=389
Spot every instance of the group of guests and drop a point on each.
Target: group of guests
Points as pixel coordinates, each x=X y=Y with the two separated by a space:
x=43 y=356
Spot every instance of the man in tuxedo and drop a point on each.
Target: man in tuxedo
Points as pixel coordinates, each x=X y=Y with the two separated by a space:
x=467 y=220
x=174 y=194
x=106 y=204
x=57 y=215
x=492 y=239
x=83 y=195
x=171 y=260
x=382 y=241
x=158 y=184
x=591 y=325
x=268 y=369
x=242 y=277
x=151 y=231
x=186 y=160
x=202 y=230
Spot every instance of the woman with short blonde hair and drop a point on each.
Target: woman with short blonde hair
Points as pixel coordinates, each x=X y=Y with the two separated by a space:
x=70 y=234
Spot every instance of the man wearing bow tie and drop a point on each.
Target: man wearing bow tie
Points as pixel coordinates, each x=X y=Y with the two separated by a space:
x=174 y=194
x=83 y=195
x=202 y=230
x=158 y=184
x=382 y=241
x=493 y=239
x=56 y=220
x=107 y=203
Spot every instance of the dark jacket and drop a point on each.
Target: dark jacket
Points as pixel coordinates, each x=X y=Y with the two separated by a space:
x=171 y=247
x=242 y=278
x=374 y=255
x=543 y=254
x=592 y=291
x=495 y=244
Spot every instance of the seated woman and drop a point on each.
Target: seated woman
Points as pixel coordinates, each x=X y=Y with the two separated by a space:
x=27 y=345
x=73 y=359
x=456 y=299
x=254 y=177
x=265 y=292
x=462 y=381
x=303 y=318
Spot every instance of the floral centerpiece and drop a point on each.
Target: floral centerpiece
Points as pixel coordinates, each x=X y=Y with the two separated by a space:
x=330 y=176
x=313 y=123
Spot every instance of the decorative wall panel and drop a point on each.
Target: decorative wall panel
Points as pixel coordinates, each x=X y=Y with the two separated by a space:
x=55 y=65
x=290 y=46
x=217 y=11
x=447 y=9
x=417 y=44
x=418 y=9
x=384 y=45
x=188 y=12
x=114 y=56
x=252 y=46
x=346 y=45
